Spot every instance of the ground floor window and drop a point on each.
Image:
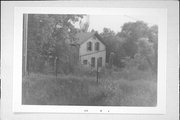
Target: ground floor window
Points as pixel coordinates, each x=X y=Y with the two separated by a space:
x=100 y=62
x=93 y=62
x=85 y=62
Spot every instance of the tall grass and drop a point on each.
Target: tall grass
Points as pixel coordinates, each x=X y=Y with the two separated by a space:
x=120 y=88
x=131 y=93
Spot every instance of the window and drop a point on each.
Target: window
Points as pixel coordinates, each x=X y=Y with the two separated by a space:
x=99 y=62
x=97 y=46
x=89 y=46
x=85 y=62
x=93 y=62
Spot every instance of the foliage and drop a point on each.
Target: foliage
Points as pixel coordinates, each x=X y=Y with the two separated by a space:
x=131 y=32
x=41 y=89
x=49 y=50
x=113 y=45
x=129 y=77
x=135 y=40
x=48 y=35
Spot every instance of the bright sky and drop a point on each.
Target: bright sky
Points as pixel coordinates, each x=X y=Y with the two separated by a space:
x=115 y=22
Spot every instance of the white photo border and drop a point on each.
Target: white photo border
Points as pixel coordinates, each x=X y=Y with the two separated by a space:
x=161 y=14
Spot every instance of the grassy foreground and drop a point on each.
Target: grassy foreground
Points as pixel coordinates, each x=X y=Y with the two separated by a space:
x=41 y=89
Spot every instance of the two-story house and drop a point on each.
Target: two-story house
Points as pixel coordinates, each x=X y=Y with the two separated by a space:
x=92 y=49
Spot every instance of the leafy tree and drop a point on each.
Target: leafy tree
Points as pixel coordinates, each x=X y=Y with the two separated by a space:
x=146 y=56
x=146 y=52
x=48 y=36
x=113 y=45
x=109 y=38
x=135 y=41
x=147 y=47
x=131 y=32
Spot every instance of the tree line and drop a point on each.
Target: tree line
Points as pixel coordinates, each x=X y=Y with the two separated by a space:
x=136 y=42
x=49 y=37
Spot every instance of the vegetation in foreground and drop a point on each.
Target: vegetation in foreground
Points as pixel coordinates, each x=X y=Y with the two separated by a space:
x=129 y=79
x=111 y=90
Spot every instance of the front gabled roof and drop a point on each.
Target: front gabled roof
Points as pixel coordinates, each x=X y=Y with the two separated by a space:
x=84 y=36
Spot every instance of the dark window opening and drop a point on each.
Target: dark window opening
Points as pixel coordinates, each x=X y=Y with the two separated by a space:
x=89 y=46
x=85 y=62
x=97 y=46
x=93 y=62
x=100 y=62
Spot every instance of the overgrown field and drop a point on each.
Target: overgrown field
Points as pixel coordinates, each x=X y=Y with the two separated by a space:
x=113 y=89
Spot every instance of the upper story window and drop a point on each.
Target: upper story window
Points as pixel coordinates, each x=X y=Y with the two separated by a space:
x=89 y=46
x=97 y=46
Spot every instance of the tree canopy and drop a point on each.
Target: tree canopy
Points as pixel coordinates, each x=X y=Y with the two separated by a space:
x=134 y=39
x=49 y=36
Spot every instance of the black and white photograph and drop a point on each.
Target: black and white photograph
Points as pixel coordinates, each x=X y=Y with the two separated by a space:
x=89 y=60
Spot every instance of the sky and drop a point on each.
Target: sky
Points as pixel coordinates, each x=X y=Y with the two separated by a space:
x=115 y=22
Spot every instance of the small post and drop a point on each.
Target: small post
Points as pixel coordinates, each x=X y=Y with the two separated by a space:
x=55 y=63
x=97 y=73
x=111 y=61
x=97 y=70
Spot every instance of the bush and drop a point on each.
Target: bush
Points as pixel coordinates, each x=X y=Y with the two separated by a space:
x=138 y=61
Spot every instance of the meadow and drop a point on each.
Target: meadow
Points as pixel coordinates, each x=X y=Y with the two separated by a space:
x=114 y=88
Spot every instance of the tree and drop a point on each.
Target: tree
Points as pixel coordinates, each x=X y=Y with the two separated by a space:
x=136 y=41
x=147 y=53
x=113 y=45
x=109 y=38
x=146 y=56
x=153 y=38
x=48 y=38
x=131 y=32
x=148 y=47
